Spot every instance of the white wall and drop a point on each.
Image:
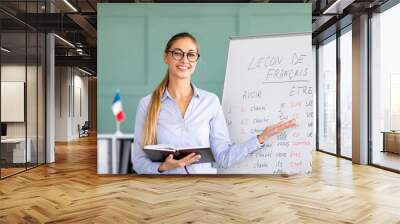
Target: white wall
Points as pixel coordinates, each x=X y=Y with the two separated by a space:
x=71 y=94
x=82 y=82
x=80 y=104
x=62 y=81
x=33 y=126
x=12 y=73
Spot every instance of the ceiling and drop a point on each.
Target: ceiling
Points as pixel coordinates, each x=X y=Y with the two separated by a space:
x=76 y=22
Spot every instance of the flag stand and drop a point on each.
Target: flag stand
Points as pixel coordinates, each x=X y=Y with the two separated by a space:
x=118 y=131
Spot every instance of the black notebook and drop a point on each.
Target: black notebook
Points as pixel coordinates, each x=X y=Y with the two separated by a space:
x=158 y=153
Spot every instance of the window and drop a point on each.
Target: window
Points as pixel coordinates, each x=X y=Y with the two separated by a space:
x=22 y=77
x=327 y=96
x=385 y=89
x=346 y=92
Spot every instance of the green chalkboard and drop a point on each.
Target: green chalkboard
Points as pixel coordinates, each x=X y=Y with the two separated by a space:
x=131 y=39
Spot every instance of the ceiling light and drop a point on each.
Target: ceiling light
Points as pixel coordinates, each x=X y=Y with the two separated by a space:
x=84 y=71
x=332 y=8
x=338 y=6
x=5 y=50
x=65 y=41
x=70 y=5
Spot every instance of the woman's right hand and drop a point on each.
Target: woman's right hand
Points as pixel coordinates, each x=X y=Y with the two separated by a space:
x=170 y=163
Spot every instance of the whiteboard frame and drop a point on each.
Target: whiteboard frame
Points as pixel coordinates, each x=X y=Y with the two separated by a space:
x=268 y=35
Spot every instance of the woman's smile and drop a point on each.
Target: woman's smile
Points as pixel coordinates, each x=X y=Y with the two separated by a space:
x=183 y=68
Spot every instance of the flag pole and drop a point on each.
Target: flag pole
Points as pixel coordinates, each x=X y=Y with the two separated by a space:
x=118 y=131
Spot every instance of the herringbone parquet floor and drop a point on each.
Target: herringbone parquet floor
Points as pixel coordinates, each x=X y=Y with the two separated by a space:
x=70 y=191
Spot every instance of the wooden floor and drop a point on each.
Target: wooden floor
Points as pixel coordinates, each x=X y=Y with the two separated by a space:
x=70 y=191
x=10 y=171
x=386 y=159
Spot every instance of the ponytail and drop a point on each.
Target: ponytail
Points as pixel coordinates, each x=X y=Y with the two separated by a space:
x=150 y=126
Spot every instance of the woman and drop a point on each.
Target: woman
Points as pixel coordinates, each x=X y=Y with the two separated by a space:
x=180 y=114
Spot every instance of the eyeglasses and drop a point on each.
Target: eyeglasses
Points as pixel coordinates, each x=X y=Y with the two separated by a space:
x=178 y=54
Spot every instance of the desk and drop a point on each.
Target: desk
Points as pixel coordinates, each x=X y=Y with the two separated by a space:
x=114 y=153
x=15 y=148
x=391 y=141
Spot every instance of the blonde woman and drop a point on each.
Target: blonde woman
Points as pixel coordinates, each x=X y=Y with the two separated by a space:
x=180 y=114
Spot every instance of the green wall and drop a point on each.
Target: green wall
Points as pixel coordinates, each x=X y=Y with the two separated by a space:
x=131 y=39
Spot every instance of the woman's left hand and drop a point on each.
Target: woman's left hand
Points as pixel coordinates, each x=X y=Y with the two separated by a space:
x=275 y=129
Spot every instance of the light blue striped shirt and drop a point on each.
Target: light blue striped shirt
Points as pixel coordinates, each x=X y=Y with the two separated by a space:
x=203 y=125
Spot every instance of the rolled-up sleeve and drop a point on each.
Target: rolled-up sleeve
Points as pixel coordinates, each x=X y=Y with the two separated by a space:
x=225 y=152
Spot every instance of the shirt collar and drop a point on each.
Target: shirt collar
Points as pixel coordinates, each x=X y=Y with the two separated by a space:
x=166 y=93
x=195 y=91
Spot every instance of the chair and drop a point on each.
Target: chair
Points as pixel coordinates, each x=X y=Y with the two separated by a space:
x=84 y=130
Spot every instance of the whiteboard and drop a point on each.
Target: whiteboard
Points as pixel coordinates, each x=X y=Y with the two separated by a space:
x=12 y=101
x=269 y=79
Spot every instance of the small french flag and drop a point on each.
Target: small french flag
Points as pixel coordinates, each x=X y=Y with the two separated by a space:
x=117 y=108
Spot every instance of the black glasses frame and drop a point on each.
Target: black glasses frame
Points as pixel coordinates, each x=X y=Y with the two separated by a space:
x=183 y=55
